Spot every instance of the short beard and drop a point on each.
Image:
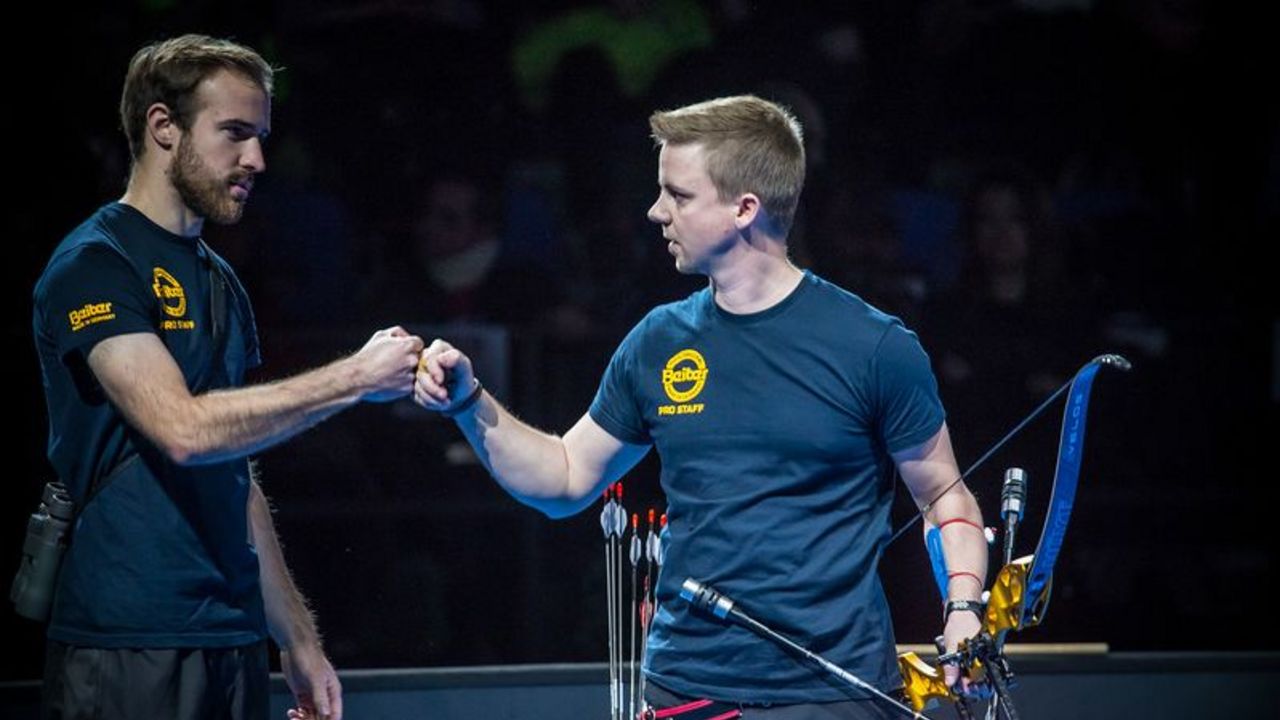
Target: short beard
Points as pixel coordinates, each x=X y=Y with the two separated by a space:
x=201 y=190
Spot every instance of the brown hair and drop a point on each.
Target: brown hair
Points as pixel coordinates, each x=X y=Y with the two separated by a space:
x=168 y=72
x=752 y=145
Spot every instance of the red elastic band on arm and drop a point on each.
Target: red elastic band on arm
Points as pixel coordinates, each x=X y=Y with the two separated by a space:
x=963 y=573
x=966 y=521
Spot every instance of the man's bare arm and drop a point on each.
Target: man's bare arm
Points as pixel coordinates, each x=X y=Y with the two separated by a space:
x=144 y=382
x=559 y=476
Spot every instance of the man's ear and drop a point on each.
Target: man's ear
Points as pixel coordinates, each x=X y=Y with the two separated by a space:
x=748 y=210
x=161 y=127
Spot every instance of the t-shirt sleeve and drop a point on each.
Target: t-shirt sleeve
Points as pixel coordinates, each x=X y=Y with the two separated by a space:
x=616 y=407
x=90 y=294
x=906 y=391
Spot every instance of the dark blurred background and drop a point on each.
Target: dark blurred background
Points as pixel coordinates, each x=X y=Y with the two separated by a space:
x=1028 y=184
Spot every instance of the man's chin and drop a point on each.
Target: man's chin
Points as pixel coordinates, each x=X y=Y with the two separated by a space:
x=685 y=268
x=227 y=215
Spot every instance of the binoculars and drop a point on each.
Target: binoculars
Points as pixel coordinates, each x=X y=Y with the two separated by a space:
x=47 y=530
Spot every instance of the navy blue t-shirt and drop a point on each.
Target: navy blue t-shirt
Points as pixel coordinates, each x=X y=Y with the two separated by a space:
x=774 y=430
x=160 y=557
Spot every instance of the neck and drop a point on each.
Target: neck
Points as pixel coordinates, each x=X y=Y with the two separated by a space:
x=151 y=193
x=754 y=279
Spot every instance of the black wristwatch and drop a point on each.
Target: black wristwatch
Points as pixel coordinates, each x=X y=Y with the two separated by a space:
x=974 y=606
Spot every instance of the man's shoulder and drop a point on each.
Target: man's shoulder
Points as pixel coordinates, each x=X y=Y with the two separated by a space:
x=687 y=307
x=89 y=247
x=666 y=323
x=687 y=311
x=849 y=309
x=100 y=232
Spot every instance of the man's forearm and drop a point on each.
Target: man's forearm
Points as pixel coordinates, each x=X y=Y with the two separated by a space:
x=289 y=620
x=557 y=475
x=531 y=465
x=226 y=424
x=142 y=379
x=964 y=543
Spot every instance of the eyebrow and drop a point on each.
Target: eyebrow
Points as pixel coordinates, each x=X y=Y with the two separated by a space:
x=675 y=189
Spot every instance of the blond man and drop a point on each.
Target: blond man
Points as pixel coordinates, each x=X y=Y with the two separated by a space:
x=779 y=405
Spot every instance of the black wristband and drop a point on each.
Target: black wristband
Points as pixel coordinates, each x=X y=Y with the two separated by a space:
x=974 y=606
x=465 y=404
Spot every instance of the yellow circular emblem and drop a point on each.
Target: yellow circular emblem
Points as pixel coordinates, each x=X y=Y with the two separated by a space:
x=169 y=291
x=684 y=375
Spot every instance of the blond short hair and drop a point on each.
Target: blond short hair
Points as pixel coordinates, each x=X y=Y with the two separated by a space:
x=752 y=145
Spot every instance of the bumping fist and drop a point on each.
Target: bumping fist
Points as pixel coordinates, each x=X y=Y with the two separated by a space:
x=445 y=377
x=386 y=364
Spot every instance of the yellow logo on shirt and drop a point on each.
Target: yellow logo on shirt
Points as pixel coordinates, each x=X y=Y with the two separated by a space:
x=172 y=298
x=682 y=379
x=167 y=288
x=89 y=314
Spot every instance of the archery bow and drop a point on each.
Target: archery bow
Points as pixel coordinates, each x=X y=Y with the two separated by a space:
x=1019 y=597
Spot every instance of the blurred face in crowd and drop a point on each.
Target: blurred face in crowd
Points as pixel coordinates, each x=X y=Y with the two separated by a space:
x=1001 y=231
x=450 y=219
x=697 y=225
x=221 y=152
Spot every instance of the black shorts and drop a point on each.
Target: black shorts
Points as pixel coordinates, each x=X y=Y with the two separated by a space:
x=180 y=683
x=659 y=698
